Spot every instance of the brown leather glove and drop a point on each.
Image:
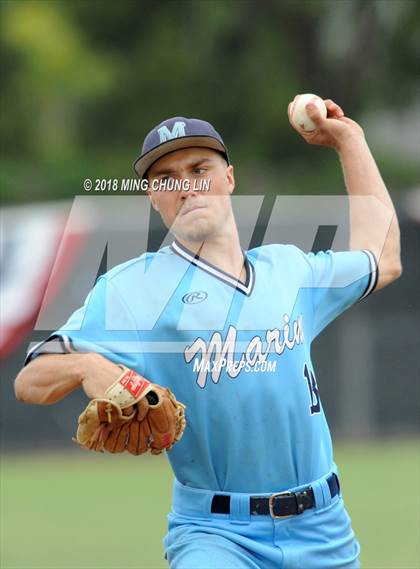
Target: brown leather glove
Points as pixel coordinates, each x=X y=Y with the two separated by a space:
x=134 y=416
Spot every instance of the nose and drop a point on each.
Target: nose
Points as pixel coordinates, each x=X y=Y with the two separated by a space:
x=189 y=190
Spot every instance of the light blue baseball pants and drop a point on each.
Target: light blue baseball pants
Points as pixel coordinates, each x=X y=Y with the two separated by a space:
x=320 y=538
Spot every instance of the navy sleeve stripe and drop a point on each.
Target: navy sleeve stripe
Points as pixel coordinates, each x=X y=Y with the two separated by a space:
x=373 y=280
x=55 y=344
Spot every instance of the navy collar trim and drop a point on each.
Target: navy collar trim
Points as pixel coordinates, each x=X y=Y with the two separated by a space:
x=246 y=288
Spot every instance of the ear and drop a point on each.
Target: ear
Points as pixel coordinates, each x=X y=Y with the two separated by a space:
x=230 y=178
x=152 y=199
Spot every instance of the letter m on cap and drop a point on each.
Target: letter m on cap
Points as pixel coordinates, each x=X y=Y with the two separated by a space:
x=177 y=130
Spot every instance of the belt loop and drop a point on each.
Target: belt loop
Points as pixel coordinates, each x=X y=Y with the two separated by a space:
x=326 y=492
x=240 y=508
x=318 y=494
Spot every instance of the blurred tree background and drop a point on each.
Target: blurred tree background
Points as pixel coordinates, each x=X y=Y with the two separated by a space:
x=84 y=81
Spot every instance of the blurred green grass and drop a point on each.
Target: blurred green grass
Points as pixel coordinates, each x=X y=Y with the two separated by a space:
x=82 y=510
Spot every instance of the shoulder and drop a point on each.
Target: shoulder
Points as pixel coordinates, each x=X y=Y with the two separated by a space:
x=136 y=268
x=279 y=252
x=293 y=254
x=138 y=279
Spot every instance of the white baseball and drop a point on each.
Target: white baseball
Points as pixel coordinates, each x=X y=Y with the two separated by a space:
x=298 y=115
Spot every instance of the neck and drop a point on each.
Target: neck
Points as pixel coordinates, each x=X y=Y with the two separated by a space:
x=223 y=251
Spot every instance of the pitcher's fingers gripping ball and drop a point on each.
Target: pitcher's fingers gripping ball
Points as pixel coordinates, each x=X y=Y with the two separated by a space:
x=134 y=416
x=298 y=114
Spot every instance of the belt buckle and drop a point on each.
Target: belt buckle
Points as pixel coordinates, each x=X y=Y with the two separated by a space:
x=271 y=506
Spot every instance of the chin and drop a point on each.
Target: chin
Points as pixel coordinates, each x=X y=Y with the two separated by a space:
x=199 y=231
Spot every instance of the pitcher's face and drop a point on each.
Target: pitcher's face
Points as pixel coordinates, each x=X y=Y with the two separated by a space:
x=192 y=214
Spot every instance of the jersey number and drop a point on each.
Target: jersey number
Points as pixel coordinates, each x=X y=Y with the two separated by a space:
x=313 y=389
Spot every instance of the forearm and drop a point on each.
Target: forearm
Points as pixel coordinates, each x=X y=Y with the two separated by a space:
x=373 y=220
x=49 y=378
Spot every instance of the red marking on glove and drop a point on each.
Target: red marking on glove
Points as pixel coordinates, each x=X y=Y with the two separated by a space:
x=166 y=439
x=134 y=383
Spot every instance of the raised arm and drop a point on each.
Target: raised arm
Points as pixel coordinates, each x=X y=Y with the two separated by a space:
x=373 y=220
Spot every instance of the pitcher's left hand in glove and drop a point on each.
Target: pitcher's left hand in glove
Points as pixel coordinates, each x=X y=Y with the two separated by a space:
x=134 y=416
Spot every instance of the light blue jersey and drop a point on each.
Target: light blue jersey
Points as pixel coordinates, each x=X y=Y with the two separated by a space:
x=238 y=355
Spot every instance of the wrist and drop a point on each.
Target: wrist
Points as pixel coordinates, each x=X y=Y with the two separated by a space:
x=350 y=142
x=81 y=366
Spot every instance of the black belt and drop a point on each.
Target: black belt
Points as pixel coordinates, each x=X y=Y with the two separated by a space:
x=279 y=505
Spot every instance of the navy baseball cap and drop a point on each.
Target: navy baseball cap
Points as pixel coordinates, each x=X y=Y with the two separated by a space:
x=174 y=134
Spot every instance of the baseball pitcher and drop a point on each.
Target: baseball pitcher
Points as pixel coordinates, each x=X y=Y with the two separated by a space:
x=203 y=350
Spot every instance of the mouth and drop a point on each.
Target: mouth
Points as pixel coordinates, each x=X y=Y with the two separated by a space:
x=188 y=209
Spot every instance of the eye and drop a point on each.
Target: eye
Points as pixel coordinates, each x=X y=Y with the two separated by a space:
x=199 y=171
